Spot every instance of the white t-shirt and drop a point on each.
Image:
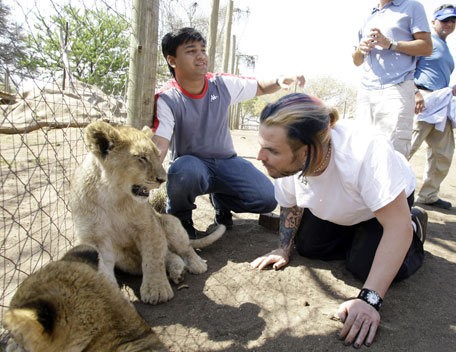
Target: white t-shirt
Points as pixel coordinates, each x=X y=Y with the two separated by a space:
x=364 y=174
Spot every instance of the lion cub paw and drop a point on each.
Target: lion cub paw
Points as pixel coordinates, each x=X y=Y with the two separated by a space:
x=13 y=346
x=196 y=264
x=176 y=270
x=156 y=293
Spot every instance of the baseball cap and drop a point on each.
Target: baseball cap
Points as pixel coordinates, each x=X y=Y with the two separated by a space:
x=443 y=14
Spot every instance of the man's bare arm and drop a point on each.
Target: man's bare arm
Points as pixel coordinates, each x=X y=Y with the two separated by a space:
x=290 y=218
x=162 y=145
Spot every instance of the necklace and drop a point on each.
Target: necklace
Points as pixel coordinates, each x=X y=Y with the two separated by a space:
x=324 y=161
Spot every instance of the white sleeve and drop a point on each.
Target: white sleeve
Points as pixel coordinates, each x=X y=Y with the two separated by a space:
x=240 y=88
x=284 y=191
x=165 y=118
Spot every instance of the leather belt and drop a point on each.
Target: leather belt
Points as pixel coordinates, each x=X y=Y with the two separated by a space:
x=424 y=88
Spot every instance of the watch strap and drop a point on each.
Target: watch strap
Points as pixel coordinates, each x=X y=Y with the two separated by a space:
x=393 y=45
x=371 y=297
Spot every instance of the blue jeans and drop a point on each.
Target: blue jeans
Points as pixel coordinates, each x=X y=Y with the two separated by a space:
x=236 y=184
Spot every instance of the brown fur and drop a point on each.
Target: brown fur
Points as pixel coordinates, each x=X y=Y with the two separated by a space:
x=110 y=209
x=68 y=306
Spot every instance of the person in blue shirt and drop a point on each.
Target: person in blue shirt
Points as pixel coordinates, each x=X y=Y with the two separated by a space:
x=433 y=73
x=393 y=35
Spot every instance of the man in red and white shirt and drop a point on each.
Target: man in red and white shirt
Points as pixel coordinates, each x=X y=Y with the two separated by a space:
x=191 y=120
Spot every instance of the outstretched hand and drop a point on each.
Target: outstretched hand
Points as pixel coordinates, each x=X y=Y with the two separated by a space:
x=285 y=82
x=360 y=320
x=278 y=258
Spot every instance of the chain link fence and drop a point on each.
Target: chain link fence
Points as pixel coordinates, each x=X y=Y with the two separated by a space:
x=43 y=112
x=63 y=64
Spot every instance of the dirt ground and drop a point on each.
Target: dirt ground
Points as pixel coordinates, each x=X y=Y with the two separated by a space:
x=235 y=308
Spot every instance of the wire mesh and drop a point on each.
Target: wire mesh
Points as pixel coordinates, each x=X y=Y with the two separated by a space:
x=71 y=77
x=43 y=113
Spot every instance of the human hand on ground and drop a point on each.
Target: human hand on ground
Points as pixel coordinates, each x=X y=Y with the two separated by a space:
x=361 y=321
x=278 y=258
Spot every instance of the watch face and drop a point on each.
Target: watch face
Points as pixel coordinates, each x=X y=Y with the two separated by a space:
x=372 y=297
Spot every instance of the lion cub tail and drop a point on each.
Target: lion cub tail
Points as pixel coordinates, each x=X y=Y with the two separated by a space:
x=210 y=238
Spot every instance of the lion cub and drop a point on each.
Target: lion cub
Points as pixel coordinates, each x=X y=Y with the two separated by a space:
x=110 y=208
x=68 y=306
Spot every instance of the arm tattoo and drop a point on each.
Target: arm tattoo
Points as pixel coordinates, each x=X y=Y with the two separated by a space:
x=290 y=218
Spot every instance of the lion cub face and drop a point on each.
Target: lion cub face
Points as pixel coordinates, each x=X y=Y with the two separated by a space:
x=128 y=157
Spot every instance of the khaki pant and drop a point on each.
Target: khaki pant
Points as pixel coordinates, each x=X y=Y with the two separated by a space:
x=391 y=110
x=440 y=149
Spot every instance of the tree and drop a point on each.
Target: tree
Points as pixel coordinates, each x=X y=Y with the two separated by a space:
x=97 y=46
x=334 y=93
x=12 y=47
x=143 y=62
x=250 y=111
x=175 y=14
x=212 y=38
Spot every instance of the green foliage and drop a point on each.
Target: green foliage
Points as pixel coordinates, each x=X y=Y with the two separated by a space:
x=250 y=110
x=334 y=93
x=12 y=47
x=98 y=47
x=175 y=14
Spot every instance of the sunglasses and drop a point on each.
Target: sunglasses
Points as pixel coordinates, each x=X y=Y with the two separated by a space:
x=449 y=19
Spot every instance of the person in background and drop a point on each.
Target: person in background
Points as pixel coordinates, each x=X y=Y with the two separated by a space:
x=392 y=36
x=191 y=119
x=432 y=74
x=344 y=193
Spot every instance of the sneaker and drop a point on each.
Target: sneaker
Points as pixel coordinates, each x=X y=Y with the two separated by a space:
x=193 y=233
x=224 y=217
x=440 y=203
x=420 y=218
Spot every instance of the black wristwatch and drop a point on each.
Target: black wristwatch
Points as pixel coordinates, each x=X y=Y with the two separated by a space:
x=371 y=297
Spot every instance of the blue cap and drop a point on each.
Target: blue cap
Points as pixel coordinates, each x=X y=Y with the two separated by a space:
x=443 y=14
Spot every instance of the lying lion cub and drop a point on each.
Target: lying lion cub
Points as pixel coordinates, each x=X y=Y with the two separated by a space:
x=68 y=306
x=109 y=201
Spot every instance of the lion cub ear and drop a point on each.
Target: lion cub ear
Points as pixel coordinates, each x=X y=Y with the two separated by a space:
x=147 y=131
x=101 y=137
x=32 y=323
x=83 y=253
